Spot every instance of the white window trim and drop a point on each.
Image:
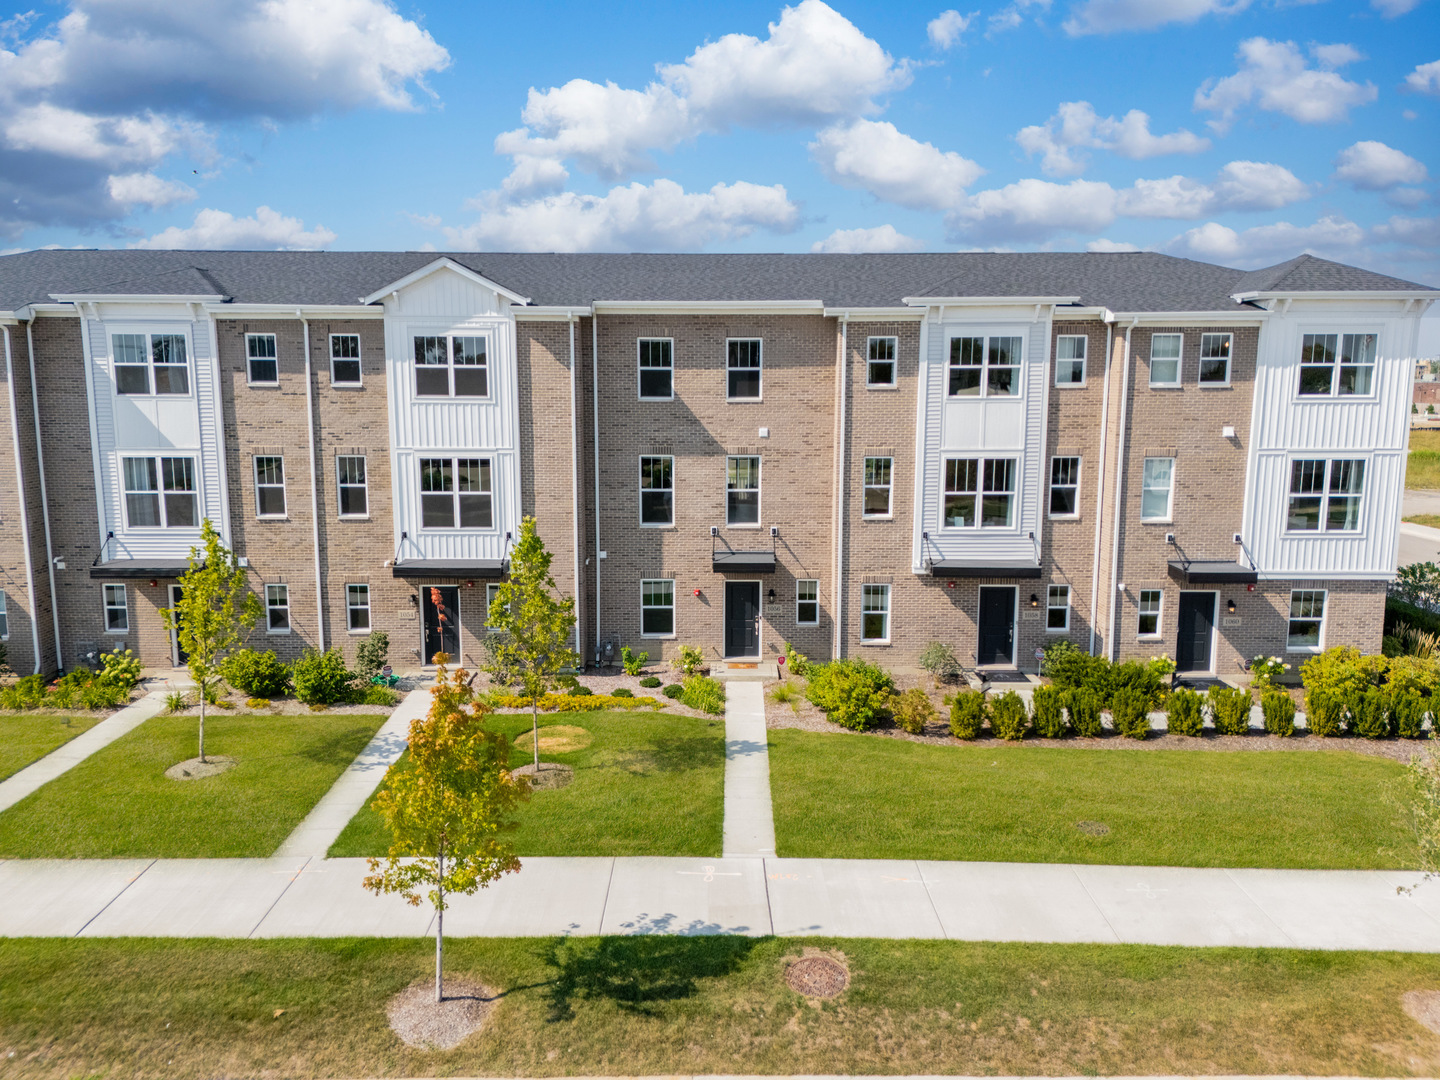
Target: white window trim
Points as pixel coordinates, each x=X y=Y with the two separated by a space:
x=1169 y=496
x=807 y=622
x=1020 y=366
x=889 y=514
x=1179 y=364
x=759 y=490
x=640 y=491
x=889 y=614
x=158 y=457
x=1309 y=650
x=674 y=622
x=284 y=493
x=638 y=369
x=359 y=362
x=457 y=529
x=1079 y=474
x=1049 y=608
x=894 y=383
x=276 y=358
x=761 y=369
x=269 y=606
x=450 y=335
x=1329 y=457
x=1159 y=616
x=366 y=485
x=1084 y=363
x=349 y=607
x=150 y=330
x=106 y=606
x=488 y=601
x=1334 y=394
x=981 y=457
x=1229 y=361
x=5 y=615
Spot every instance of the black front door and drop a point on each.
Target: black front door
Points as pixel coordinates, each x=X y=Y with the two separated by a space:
x=742 y=618
x=1197 y=623
x=177 y=593
x=442 y=621
x=997 y=626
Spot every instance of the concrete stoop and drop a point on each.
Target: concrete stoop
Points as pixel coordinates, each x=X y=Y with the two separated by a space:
x=745 y=671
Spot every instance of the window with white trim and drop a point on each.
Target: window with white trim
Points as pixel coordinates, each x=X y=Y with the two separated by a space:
x=451 y=365
x=742 y=370
x=1064 y=487
x=657 y=607
x=875 y=613
x=877 y=488
x=357 y=608
x=657 y=368
x=1325 y=495
x=1057 y=608
x=986 y=484
x=1307 y=620
x=456 y=493
x=344 y=359
x=1214 y=359
x=807 y=602
x=492 y=591
x=277 y=609
x=985 y=367
x=1157 y=485
x=742 y=491
x=1148 y=622
x=1165 y=359
x=160 y=492
x=117 y=610
x=1356 y=367
x=270 y=487
x=657 y=490
x=146 y=361
x=261 y=367
x=1070 y=359
x=352 y=485
x=4 y=619
x=880 y=362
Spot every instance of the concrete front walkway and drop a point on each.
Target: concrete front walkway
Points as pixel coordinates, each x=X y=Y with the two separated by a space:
x=749 y=823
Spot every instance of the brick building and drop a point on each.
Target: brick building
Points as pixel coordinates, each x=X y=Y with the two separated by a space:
x=858 y=454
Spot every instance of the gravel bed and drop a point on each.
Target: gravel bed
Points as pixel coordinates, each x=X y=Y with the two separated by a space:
x=610 y=680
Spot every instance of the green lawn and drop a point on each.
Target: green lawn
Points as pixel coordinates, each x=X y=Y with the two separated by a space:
x=119 y=802
x=656 y=1005
x=1431 y=521
x=1423 y=469
x=30 y=736
x=839 y=796
x=648 y=784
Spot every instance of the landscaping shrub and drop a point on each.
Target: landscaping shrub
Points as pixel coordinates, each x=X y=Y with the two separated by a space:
x=120 y=669
x=84 y=689
x=1411 y=672
x=674 y=690
x=967 y=714
x=573 y=703
x=1343 y=672
x=569 y=682
x=798 y=663
x=26 y=693
x=258 y=674
x=1084 y=708
x=1324 y=713
x=650 y=682
x=1130 y=713
x=852 y=693
x=1071 y=669
x=632 y=662
x=913 y=711
x=379 y=695
x=1370 y=714
x=1278 y=708
x=704 y=693
x=1048 y=705
x=370 y=654
x=787 y=693
x=257 y=703
x=1397 y=611
x=623 y=692
x=1184 y=716
x=1408 y=710
x=1229 y=709
x=320 y=678
x=581 y=691
x=1056 y=653
x=690 y=660
x=1008 y=718
x=175 y=701
x=1137 y=678
x=940 y=661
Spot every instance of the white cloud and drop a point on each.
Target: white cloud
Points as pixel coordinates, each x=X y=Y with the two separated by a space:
x=1008 y=18
x=1103 y=245
x=882 y=238
x=217 y=230
x=1420 y=232
x=875 y=156
x=1033 y=210
x=1110 y=16
x=1394 y=8
x=1240 y=185
x=1275 y=76
x=1335 y=236
x=1373 y=166
x=1075 y=126
x=946 y=29
x=1425 y=79
x=637 y=217
x=147 y=189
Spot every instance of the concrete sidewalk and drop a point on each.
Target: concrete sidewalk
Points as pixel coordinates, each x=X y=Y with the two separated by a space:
x=299 y=897
x=749 y=823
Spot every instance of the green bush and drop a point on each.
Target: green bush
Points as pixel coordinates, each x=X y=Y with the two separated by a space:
x=568 y=682
x=258 y=674
x=650 y=682
x=1056 y=654
x=1370 y=714
x=319 y=678
x=1137 y=678
x=1408 y=710
x=913 y=710
x=704 y=693
x=1130 y=713
x=690 y=660
x=632 y=662
x=797 y=662
x=1324 y=713
x=26 y=693
x=581 y=691
x=967 y=714
x=1229 y=709
x=1398 y=611
x=1420 y=674
x=1184 y=716
x=852 y=693
x=120 y=669
x=674 y=690
x=1008 y=718
x=1343 y=671
x=84 y=689
x=940 y=661
x=1048 y=705
x=1084 y=708
x=176 y=701
x=622 y=692
x=370 y=654
x=1071 y=669
x=1278 y=708
x=378 y=695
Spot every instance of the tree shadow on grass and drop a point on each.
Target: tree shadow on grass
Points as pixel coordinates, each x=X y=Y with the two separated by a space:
x=339 y=749
x=638 y=974
x=666 y=755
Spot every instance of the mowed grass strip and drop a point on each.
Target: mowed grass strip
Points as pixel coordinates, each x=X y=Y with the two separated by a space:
x=119 y=802
x=666 y=1005
x=647 y=784
x=26 y=738
x=1422 y=471
x=846 y=796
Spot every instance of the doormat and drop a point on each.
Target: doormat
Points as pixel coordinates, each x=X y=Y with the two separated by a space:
x=1198 y=684
x=742 y=667
x=1003 y=677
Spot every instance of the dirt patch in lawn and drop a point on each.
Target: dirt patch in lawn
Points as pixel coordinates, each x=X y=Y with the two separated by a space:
x=556 y=739
x=422 y=1022
x=195 y=769
x=551 y=777
x=818 y=975
x=1423 y=1006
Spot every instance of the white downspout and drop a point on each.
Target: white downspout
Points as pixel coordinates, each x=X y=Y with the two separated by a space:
x=24 y=513
x=595 y=423
x=840 y=488
x=575 y=500
x=1100 y=485
x=314 y=490
x=44 y=496
x=1119 y=497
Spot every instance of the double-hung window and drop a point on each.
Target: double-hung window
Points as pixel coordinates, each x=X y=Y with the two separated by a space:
x=492 y=592
x=1070 y=360
x=985 y=367
x=1148 y=624
x=657 y=607
x=880 y=366
x=1057 y=608
x=807 y=602
x=877 y=487
x=742 y=370
x=354 y=491
x=1318 y=367
x=1157 y=486
x=456 y=493
x=344 y=359
x=451 y=365
x=742 y=491
x=1307 y=618
x=357 y=608
x=875 y=613
x=983 y=484
x=657 y=369
x=261 y=366
x=277 y=609
x=4 y=619
x=146 y=361
x=657 y=490
x=117 y=610
x=270 y=487
x=1325 y=495
x=1064 y=487
x=1214 y=359
x=160 y=493
x=1165 y=359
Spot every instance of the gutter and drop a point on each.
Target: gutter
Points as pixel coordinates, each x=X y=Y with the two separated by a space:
x=1100 y=484
x=595 y=423
x=840 y=488
x=1119 y=497
x=24 y=513
x=314 y=489
x=44 y=496
x=575 y=498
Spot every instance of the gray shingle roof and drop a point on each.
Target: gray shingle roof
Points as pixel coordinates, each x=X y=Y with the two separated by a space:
x=1126 y=282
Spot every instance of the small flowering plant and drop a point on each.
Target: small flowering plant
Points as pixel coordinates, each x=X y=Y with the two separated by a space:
x=1161 y=665
x=1264 y=669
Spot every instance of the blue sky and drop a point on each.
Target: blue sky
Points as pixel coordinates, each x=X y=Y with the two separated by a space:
x=1268 y=127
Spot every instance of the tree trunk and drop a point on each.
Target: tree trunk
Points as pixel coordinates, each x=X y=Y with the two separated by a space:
x=202 y=723
x=535 y=733
x=440 y=932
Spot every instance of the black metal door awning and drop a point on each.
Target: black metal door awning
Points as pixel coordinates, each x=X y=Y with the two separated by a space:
x=985 y=568
x=117 y=569
x=751 y=562
x=1211 y=572
x=450 y=568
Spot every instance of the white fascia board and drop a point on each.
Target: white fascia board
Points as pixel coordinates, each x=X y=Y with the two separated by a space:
x=296 y=311
x=876 y=314
x=1188 y=318
x=444 y=264
x=1398 y=294
x=985 y=301
x=709 y=307
x=540 y=313
x=137 y=298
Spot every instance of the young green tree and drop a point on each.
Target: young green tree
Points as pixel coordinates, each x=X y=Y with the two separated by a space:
x=535 y=625
x=448 y=811
x=215 y=611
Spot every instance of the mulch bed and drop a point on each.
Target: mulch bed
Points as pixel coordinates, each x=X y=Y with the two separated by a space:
x=612 y=679
x=423 y=1023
